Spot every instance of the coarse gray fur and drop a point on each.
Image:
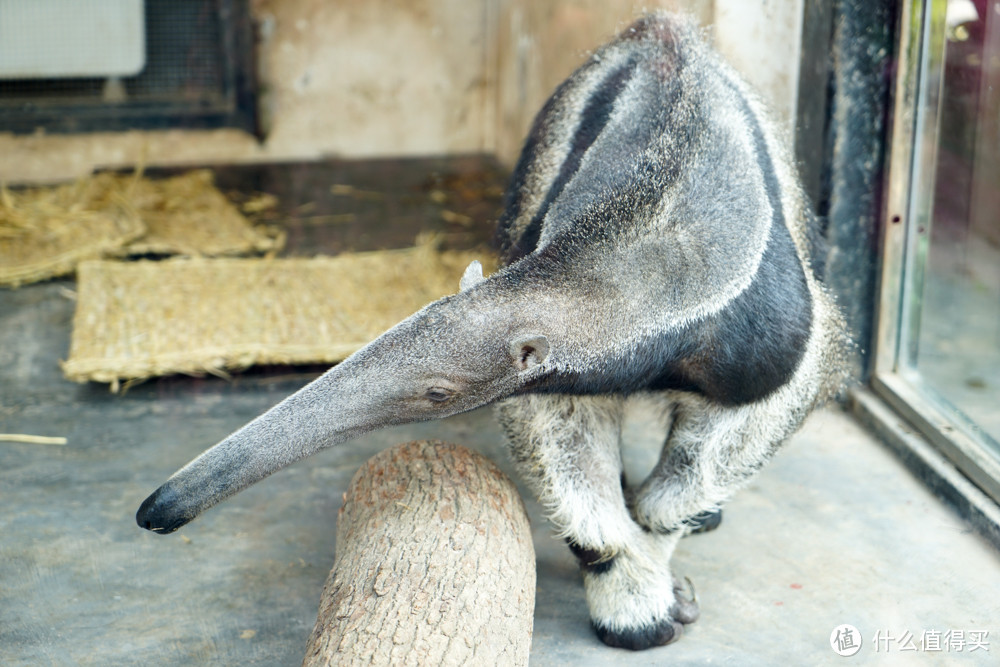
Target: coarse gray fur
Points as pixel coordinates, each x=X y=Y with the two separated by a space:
x=656 y=244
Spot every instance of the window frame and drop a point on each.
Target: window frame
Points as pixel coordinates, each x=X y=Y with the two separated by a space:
x=235 y=108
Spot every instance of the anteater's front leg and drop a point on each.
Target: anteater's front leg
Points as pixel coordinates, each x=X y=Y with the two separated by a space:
x=568 y=449
x=711 y=451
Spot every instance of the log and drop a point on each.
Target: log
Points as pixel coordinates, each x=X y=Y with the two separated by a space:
x=434 y=565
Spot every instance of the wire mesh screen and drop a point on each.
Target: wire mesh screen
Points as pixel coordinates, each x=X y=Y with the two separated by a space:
x=186 y=52
x=198 y=73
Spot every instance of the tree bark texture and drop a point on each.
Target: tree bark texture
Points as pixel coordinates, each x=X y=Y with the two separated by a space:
x=434 y=565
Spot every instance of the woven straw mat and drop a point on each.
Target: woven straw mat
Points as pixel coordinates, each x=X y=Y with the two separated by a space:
x=46 y=232
x=143 y=319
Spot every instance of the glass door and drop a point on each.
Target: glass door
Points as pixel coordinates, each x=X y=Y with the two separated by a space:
x=938 y=347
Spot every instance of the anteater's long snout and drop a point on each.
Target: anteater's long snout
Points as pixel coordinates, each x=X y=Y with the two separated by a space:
x=408 y=374
x=313 y=418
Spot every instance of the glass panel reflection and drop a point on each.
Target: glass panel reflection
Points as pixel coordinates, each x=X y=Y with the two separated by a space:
x=958 y=355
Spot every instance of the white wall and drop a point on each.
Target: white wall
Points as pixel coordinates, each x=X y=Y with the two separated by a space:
x=761 y=38
x=366 y=78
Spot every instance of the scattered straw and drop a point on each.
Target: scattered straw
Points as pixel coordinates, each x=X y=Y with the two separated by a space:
x=31 y=439
x=46 y=232
x=259 y=203
x=144 y=319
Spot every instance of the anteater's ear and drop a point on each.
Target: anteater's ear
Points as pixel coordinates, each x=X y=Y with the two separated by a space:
x=473 y=276
x=529 y=351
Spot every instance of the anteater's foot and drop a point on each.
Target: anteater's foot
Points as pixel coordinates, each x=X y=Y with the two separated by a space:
x=704 y=522
x=659 y=632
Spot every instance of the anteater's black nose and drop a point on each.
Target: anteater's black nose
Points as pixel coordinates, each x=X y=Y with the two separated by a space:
x=159 y=514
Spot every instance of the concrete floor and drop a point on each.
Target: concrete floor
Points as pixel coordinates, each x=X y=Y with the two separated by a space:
x=833 y=531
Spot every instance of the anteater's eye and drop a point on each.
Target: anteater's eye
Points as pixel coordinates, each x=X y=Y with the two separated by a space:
x=439 y=394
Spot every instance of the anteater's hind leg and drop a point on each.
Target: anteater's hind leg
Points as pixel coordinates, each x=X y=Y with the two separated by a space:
x=568 y=448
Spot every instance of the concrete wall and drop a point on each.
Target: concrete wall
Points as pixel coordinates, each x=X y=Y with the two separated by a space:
x=364 y=78
x=761 y=38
